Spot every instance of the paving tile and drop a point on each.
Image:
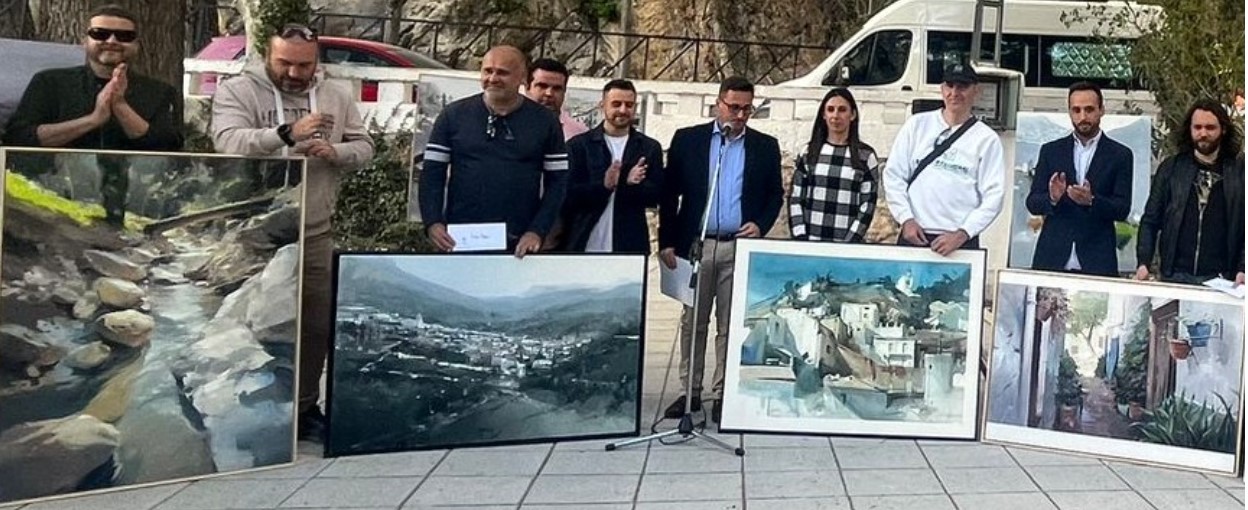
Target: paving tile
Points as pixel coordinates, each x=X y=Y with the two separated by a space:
x=1227 y=482
x=838 y=441
x=692 y=505
x=788 y=459
x=221 y=494
x=784 y=441
x=941 y=502
x=465 y=490
x=302 y=469
x=944 y=456
x=1028 y=457
x=948 y=442
x=985 y=480
x=841 y=503
x=891 y=482
x=595 y=463
x=689 y=487
x=1016 y=501
x=692 y=459
x=349 y=492
x=593 y=445
x=1189 y=499
x=782 y=484
x=1142 y=478
x=392 y=464
x=1237 y=494
x=131 y=499
x=491 y=463
x=1101 y=500
x=583 y=489
x=881 y=456
x=1076 y=478
x=578 y=506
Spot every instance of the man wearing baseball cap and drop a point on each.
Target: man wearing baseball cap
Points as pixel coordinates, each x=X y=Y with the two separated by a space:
x=945 y=177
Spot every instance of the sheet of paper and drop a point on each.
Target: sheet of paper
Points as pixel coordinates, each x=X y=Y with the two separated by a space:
x=478 y=236
x=1226 y=286
x=674 y=283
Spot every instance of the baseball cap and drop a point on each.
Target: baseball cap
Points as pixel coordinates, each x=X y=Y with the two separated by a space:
x=960 y=73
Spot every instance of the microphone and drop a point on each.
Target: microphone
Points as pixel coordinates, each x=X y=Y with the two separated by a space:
x=725 y=132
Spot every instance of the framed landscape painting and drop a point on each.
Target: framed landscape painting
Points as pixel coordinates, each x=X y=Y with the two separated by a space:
x=451 y=350
x=1136 y=371
x=854 y=339
x=148 y=318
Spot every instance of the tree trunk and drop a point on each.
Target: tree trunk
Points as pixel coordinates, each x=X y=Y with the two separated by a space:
x=161 y=32
x=15 y=20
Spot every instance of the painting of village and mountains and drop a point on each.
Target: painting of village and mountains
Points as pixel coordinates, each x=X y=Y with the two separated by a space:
x=449 y=350
x=1131 y=370
x=148 y=318
x=854 y=339
x=1038 y=128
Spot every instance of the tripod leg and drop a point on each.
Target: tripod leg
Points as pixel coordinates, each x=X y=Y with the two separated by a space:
x=738 y=451
x=638 y=440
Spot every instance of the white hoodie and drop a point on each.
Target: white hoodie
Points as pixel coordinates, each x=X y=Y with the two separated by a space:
x=245 y=117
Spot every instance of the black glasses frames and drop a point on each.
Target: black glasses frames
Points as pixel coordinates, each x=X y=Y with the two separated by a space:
x=494 y=123
x=103 y=34
x=296 y=30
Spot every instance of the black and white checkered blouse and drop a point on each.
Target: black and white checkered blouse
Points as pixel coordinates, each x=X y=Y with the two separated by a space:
x=833 y=200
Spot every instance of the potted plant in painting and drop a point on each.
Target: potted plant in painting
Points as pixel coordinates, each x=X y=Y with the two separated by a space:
x=1131 y=374
x=1069 y=394
x=1198 y=332
x=1180 y=421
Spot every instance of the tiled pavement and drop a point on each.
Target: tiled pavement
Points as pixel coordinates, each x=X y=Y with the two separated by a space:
x=778 y=472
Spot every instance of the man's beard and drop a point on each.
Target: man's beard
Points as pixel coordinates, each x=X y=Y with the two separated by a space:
x=1208 y=148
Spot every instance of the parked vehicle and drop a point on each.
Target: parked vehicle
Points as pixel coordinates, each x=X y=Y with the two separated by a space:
x=25 y=58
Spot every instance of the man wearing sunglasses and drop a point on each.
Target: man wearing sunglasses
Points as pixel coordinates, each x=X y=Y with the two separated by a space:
x=101 y=105
x=745 y=200
x=495 y=157
x=285 y=106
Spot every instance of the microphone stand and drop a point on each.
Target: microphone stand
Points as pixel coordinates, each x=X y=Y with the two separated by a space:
x=685 y=426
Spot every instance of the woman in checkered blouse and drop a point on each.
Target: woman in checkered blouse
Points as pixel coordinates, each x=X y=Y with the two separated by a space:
x=833 y=196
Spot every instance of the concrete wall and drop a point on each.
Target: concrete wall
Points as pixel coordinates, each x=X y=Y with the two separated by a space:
x=1214 y=369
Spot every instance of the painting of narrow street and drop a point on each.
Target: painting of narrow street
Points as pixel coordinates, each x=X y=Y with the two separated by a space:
x=1122 y=368
x=828 y=338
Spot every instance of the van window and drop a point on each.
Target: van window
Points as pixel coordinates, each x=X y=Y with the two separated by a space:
x=879 y=59
x=1066 y=60
x=1018 y=53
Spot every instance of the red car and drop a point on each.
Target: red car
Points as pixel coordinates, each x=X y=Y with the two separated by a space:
x=334 y=50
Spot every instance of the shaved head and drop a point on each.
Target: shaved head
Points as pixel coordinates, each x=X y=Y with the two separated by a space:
x=503 y=69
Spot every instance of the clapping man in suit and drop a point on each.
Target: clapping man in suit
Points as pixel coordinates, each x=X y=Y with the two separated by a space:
x=1081 y=187
x=746 y=201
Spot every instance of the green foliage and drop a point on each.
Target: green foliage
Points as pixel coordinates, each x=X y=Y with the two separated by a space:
x=1069 y=388
x=1131 y=376
x=371 y=213
x=1194 y=50
x=1179 y=421
x=20 y=189
x=1123 y=233
x=272 y=14
x=1088 y=310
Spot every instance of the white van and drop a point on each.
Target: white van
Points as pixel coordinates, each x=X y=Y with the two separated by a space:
x=904 y=48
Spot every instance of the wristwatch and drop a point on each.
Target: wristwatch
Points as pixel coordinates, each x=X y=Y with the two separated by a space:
x=283 y=131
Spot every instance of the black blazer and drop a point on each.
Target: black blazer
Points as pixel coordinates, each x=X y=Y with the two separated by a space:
x=1091 y=228
x=685 y=189
x=589 y=157
x=1167 y=203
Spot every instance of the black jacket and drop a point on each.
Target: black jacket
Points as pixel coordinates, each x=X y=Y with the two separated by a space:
x=58 y=95
x=687 y=179
x=1090 y=228
x=589 y=157
x=1167 y=201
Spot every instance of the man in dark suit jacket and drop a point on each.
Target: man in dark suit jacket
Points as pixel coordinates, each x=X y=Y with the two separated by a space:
x=748 y=196
x=614 y=174
x=1082 y=186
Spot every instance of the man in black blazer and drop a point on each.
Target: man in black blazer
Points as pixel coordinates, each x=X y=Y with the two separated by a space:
x=614 y=174
x=1081 y=187
x=748 y=196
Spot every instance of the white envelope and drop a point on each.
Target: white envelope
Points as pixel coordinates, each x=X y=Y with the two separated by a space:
x=478 y=236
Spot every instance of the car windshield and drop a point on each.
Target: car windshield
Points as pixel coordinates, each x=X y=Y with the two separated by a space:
x=418 y=59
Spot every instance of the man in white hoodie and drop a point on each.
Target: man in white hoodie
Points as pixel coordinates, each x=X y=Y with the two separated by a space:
x=286 y=107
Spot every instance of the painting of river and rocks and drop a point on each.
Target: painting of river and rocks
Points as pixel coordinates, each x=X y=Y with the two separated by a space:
x=854 y=339
x=1137 y=371
x=439 y=351
x=148 y=318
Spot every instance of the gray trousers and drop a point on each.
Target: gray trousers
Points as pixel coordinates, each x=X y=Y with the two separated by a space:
x=315 y=320
x=714 y=288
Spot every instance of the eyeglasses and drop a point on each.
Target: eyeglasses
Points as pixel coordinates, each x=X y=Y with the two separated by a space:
x=102 y=34
x=494 y=123
x=738 y=109
x=296 y=30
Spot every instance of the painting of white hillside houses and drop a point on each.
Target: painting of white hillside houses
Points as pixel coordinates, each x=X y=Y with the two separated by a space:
x=849 y=339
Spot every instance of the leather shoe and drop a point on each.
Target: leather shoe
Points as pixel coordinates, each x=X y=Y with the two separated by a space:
x=677 y=409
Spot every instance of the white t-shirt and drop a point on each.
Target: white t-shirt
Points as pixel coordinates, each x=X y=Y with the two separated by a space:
x=964 y=188
x=600 y=238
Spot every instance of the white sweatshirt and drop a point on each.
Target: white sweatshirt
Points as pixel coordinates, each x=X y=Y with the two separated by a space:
x=964 y=188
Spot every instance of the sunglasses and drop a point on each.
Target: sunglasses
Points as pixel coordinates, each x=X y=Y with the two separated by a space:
x=494 y=123
x=102 y=34
x=300 y=31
